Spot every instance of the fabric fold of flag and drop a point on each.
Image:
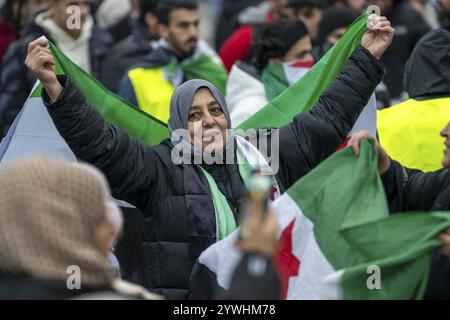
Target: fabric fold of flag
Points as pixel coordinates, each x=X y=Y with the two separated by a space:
x=334 y=228
x=306 y=91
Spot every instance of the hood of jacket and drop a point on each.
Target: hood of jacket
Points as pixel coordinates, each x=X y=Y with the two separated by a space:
x=427 y=72
x=245 y=92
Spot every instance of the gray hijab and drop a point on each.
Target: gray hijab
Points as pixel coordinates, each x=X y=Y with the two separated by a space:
x=182 y=100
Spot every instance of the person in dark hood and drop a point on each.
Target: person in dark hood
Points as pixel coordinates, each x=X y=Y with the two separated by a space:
x=86 y=45
x=409 y=190
x=410 y=26
x=409 y=131
x=134 y=48
x=436 y=13
x=189 y=205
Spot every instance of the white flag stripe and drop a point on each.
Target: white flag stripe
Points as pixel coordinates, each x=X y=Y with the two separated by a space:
x=367 y=120
x=223 y=257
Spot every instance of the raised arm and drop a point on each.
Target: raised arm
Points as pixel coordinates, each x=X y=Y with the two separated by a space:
x=126 y=162
x=408 y=189
x=312 y=136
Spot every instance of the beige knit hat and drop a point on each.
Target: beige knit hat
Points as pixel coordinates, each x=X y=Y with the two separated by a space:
x=49 y=211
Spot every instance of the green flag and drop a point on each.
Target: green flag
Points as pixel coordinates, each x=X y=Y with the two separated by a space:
x=278 y=112
x=113 y=108
x=302 y=95
x=338 y=240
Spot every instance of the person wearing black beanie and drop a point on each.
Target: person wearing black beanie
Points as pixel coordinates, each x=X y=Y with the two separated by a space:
x=334 y=22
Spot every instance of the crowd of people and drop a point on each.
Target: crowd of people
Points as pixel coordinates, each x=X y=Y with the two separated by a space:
x=151 y=53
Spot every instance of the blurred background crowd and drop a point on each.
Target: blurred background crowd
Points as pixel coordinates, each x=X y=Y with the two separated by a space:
x=120 y=32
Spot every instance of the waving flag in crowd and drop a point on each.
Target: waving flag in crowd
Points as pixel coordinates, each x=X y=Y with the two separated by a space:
x=335 y=231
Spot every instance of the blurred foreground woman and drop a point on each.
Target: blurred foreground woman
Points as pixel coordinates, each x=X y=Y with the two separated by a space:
x=56 y=227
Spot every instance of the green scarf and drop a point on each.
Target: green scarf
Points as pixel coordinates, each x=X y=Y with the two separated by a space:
x=226 y=223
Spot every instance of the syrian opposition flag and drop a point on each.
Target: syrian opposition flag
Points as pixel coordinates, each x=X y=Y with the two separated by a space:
x=306 y=91
x=33 y=131
x=337 y=240
x=277 y=77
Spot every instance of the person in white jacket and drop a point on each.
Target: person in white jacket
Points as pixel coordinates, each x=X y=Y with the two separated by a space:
x=284 y=42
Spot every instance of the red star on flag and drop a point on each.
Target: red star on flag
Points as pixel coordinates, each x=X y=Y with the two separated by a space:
x=287 y=263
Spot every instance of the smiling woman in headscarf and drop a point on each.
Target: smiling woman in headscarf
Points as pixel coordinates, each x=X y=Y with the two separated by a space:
x=55 y=218
x=192 y=100
x=186 y=205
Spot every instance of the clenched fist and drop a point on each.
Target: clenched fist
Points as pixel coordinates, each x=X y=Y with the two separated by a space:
x=40 y=61
x=379 y=36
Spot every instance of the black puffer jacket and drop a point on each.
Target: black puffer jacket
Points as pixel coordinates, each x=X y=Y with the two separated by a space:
x=178 y=214
x=413 y=190
x=16 y=80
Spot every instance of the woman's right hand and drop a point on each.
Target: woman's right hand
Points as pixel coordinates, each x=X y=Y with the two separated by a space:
x=384 y=161
x=41 y=62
